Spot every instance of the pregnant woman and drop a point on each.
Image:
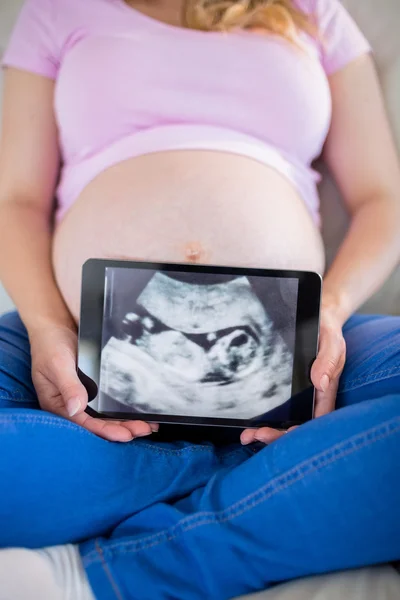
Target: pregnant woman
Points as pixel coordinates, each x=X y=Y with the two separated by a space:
x=170 y=132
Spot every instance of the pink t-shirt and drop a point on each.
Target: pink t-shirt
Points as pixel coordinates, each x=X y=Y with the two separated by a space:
x=128 y=85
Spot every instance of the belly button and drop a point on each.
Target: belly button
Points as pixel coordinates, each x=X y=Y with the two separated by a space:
x=195 y=252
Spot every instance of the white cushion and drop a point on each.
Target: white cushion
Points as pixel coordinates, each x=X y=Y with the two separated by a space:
x=375 y=583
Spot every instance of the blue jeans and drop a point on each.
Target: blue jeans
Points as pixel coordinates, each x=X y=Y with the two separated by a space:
x=188 y=521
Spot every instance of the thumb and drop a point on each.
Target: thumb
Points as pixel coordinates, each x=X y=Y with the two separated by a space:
x=329 y=363
x=73 y=392
x=75 y=399
x=325 y=401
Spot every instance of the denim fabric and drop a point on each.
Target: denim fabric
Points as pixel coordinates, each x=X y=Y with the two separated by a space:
x=159 y=520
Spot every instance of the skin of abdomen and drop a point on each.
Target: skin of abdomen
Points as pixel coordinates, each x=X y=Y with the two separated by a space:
x=186 y=206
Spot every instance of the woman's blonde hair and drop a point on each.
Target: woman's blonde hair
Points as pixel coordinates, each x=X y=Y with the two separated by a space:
x=280 y=17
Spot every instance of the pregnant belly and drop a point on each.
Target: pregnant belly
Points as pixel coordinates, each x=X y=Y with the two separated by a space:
x=191 y=206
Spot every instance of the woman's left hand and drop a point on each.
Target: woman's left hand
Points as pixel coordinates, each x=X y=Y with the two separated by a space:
x=325 y=374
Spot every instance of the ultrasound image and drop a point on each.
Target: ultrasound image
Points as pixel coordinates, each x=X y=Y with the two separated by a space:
x=206 y=350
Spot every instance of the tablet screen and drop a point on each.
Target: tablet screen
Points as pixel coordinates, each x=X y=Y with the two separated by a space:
x=196 y=344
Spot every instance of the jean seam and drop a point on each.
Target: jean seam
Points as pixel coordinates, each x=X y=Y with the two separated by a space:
x=17 y=398
x=277 y=484
x=11 y=395
x=194 y=448
x=364 y=380
x=54 y=421
x=107 y=572
x=60 y=422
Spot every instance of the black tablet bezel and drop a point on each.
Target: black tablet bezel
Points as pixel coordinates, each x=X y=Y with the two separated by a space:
x=306 y=341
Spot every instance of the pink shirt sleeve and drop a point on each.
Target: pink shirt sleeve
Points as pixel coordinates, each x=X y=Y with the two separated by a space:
x=341 y=39
x=32 y=46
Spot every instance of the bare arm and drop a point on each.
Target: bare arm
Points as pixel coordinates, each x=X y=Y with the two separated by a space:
x=362 y=157
x=29 y=162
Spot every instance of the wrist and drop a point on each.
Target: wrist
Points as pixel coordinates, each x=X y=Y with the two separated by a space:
x=336 y=303
x=35 y=323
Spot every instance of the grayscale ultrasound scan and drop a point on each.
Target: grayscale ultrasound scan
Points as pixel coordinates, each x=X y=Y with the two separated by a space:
x=187 y=346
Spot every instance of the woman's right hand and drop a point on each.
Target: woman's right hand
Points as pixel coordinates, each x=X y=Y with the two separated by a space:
x=60 y=391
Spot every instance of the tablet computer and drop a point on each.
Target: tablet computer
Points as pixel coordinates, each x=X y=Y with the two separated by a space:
x=199 y=345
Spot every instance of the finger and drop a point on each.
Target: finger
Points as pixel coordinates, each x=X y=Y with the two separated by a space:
x=268 y=435
x=113 y=431
x=325 y=401
x=329 y=362
x=263 y=434
x=138 y=428
x=247 y=436
x=73 y=392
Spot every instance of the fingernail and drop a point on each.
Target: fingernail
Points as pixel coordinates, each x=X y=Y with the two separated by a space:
x=138 y=435
x=324 y=383
x=117 y=438
x=73 y=406
x=246 y=439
